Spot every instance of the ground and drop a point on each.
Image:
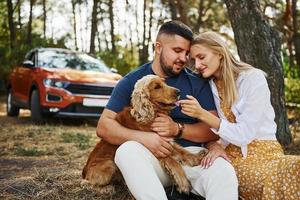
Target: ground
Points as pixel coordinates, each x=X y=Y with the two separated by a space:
x=45 y=161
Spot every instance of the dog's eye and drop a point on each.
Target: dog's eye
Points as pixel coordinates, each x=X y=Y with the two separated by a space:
x=157 y=86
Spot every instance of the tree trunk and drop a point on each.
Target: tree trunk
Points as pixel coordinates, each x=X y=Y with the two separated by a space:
x=81 y=28
x=44 y=17
x=99 y=41
x=181 y=6
x=296 y=34
x=150 y=25
x=259 y=45
x=128 y=24
x=94 y=26
x=29 y=30
x=111 y=19
x=11 y=24
x=19 y=14
x=173 y=9
x=139 y=43
x=74 y=22
x=199 y=19
x=144 y=49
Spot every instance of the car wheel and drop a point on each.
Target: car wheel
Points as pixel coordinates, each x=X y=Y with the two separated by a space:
x=35 y=107
x=11 y=109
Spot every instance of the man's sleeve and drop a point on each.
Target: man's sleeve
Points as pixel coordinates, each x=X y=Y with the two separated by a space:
x=205 y=97
x=120 y=96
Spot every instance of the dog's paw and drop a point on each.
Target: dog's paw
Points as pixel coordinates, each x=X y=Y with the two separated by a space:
x=183 y=185
x=191 y=160
x=101 y=174
x=106 y=190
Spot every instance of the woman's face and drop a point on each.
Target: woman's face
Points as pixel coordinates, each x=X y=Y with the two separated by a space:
x=207 y=62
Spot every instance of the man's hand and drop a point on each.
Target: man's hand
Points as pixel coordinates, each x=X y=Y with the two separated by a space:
x=163 y=125
x=158 y=145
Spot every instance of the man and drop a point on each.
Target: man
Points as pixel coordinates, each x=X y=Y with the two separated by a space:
x=137 y=156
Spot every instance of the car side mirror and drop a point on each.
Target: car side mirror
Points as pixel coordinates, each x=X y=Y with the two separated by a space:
x=28 y=64
x=114 y=70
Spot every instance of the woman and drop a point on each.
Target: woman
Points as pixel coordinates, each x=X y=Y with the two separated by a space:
x=245 y=125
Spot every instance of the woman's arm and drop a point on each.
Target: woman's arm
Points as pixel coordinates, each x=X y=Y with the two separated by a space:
x=256 y=97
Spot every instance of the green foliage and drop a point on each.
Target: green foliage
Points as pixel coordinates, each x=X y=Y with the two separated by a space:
x=123 y=60
x=20 y=151
x=82 y=141
x=292 y=90
x=289 y=71
x=11 y=57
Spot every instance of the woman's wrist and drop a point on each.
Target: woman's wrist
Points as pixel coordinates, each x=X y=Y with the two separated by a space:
x=209 y=118
x=202 y=115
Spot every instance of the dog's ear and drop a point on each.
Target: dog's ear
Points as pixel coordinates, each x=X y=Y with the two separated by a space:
x=142 y=109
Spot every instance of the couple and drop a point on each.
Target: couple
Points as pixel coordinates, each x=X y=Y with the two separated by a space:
x=229 y=113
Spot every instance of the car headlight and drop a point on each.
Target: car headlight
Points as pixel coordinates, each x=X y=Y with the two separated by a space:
x=55 y=83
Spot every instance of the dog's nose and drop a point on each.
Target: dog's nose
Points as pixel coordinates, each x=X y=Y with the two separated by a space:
x=177 y=92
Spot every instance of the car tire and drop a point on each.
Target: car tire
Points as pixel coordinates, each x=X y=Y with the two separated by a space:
x=11 y=109
x=35 y=107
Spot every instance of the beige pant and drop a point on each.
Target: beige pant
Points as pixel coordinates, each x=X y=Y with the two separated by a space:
x=146 y=179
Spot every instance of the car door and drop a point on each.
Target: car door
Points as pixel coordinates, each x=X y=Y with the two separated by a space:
x=25 y=75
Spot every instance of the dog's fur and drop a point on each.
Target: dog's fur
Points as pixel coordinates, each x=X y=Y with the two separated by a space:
x=150 y=95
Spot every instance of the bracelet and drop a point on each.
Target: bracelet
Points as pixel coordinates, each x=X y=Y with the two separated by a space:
x=180 y=128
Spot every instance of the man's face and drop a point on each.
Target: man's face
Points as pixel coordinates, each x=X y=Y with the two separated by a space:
x=173 y=54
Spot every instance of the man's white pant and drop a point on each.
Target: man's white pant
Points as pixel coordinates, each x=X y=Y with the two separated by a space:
x=146 y=179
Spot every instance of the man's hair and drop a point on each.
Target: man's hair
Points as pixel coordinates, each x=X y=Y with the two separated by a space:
x=176 y=28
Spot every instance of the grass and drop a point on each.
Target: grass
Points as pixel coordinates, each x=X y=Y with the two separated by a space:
x=82 y=141
x=20 y=151
x=46 y=161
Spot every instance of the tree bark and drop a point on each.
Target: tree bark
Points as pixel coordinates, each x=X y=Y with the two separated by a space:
x=94 y=26
x=259 y=45
x=112 y=32
x=11 y=23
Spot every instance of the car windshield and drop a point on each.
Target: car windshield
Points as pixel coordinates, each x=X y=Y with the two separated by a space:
x=73 y=60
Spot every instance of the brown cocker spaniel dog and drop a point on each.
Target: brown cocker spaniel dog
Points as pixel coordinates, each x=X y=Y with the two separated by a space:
x=150 y=96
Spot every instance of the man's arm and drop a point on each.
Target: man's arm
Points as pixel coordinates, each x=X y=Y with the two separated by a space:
x=113 y=132
x=198 y=132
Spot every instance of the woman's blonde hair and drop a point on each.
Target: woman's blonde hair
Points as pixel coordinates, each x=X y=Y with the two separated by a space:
x=230 y=67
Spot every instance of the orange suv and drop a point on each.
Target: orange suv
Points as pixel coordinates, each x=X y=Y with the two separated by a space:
x=60 y=82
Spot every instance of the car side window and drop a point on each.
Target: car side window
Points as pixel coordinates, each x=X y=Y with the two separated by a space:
x=31 y=57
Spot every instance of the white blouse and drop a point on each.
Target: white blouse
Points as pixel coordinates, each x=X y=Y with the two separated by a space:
x=253 y=112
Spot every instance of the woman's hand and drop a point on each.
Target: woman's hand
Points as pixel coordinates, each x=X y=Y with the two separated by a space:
x=191 y=107
x=214 y=151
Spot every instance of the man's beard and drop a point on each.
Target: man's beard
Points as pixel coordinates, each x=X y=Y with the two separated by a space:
x=168 y=70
